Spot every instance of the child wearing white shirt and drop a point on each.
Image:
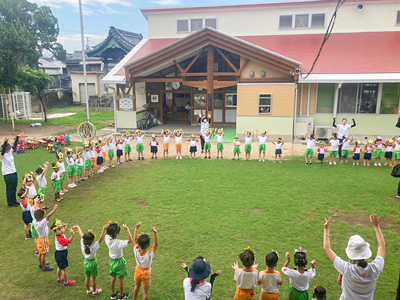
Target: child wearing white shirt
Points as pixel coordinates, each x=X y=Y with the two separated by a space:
x=345 y=149
x=143 y=259
x=388 y=152
x=278 y=149
x=262 y=140
x=139 y=143
x=220 y=145
x=357 y=153
x=248 y=138
x=236 y=148
x=333 y=151
x=321 y=153
x=247 y=278
x=117 y=262
x=270 y=279
x=311 y=139
x=111 y=143
x=193 y=140
x=128 y=148
x=178 y=134
x=166 y=137
x=120 y=143
x=41 y=180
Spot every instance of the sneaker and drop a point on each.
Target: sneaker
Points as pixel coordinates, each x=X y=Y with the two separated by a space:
x=259 y=159
x=62 y=193
x=385 y=164
x=47 y=268
x=27 y=237
x=238 y=158
x=357 y=163
x=114 y=296
x=274 y=161
x=263 y=159
x=379 y=164
x=306 y=164
x=89 y=293
x=398 y=196
x=118 y=163
x=347 y=161
x=330 y=163
x=334 y=163
x=60 y=280
x=36 y=253
x=142 y=158
x=368 y=164
x=233 y=158
x=97 y=292
x=205 y=157
x=180 y=157
x=124 y=296
x=354 y=163
x=281 y=162
x=152 y=157
x=365 y=164
x=64 y=190
x=131 y=159
x=341 y=162
x=137 y=159
x=209 y=157
x=177 y=157
x=217 y=157
x=191 y=157
x=69 y=283
x=222 y=157
x=375 y=164
x=390 y=165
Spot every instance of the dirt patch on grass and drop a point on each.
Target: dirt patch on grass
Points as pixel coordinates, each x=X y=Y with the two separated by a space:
x=140 y=202
x=31 y=132
x=255 y=210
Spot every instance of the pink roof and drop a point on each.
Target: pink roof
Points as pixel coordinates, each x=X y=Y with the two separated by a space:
x=344 y=53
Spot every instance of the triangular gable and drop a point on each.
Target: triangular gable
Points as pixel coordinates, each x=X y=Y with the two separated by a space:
x=202 y=38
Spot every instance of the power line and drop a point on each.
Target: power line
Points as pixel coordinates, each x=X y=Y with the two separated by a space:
x=326 y=36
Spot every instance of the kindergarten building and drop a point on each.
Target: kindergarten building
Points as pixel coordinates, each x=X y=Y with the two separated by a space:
x=247 y=66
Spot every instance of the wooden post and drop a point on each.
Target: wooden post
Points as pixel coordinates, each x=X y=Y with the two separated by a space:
x=6 y=103
x=11 y=108
x=210 y=81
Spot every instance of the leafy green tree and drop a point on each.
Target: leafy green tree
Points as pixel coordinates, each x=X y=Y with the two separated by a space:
x=26 y=30
x=34 y=81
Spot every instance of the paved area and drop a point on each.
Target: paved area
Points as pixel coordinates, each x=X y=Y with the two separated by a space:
x=51 y=116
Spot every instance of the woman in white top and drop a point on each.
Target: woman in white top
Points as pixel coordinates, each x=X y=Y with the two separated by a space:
x=9 y=171
x=343 y=130
x=358 y=279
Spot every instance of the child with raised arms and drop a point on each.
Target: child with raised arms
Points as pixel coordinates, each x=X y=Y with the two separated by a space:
x=144 y=258
x=89 y=249
x=87 y=160
x=42 y=242
x=29 y=185
x=41 y=179
x=111 y=140
x=79 y=166
x=166 y=137
x=178 y=134
x=311 y=139
x=193 y=140
x=120 y=143
x=357 y=153
x=61 y=254
x=140 y=135
x=220 y=142
x=388 y=152
x=333 y=150
x=278 y=149
x=70 y=158
x=248 y=138
x=378 y=151
x=299 y=278
x=262 y=140
x=128 y=149
x=100 y=159
x=368 y=152
x=247 y=278
x=345 y=148
x=236 y=148
x=63 y=172
x=321 y=153
x=207 y=142
x=55 y=178
x=270 y=279
x=26 y=212
x=102 y=143
x=117 y=263
x=153 y=146
x=92 y=158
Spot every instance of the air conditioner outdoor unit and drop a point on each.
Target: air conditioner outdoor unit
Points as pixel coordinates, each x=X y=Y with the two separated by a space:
x=323 y=132
x=304 y=125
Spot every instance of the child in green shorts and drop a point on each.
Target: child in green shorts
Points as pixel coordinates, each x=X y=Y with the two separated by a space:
x=87 y=154
x=128 y=149
x=79 y=166
x=41 y=179
x=248 y=138
x=139 y=143
x=117 y=262
x=333 y=150
x=262 y=139
x=89 y=250
x=378 y=151
x=55 y=178
x=236 y=148
x=311 y=139
x=111 y=140
x=345 y=148
x=207 y=142
x=220 y=140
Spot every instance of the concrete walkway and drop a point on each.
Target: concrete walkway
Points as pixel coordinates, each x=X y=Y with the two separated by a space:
x=52 y=116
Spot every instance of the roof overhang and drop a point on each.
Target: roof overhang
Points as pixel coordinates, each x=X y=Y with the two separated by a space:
x=353 y=78
x=187 y=46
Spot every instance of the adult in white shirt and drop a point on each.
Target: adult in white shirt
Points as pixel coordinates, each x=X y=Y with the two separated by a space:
x=9 y=171
x=343 y=131
x=358 y=278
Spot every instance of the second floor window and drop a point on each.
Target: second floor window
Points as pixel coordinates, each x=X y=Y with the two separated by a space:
x=302 y=21
x=191 y=25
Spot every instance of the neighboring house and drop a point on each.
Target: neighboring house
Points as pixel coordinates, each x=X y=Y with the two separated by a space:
x=246 y=65
x=94 y=70
x=57 y=70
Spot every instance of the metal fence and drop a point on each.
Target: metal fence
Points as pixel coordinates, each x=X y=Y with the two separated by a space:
x=21 y=104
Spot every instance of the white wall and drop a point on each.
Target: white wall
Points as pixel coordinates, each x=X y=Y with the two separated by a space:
x=245 y=21
x=77 y=78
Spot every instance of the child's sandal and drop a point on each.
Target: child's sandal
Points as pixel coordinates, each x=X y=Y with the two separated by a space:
x=97 y=292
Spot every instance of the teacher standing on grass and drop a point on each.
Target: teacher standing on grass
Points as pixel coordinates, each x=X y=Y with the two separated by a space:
x=343 y=131
x=8 y=171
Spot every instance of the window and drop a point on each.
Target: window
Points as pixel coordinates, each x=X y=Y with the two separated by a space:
x=182 y=25
x=199 y=100
x=398 y=18
x=285 y=21
x=347 y=98
x=326 y=94
x=230 y=100
x=196 y=24
x=302 y=21
x=264 y=103
x=390 y=98
x=211 y=23
x=218 y=100
x=358 y=98
x=318 y=20
x=368 y=98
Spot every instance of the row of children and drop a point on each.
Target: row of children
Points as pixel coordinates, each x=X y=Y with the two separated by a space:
x=372 y=147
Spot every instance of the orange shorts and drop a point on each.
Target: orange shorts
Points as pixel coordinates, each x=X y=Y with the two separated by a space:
x=178 y=147
x=104 y=155
x=269 y=296
x=244 y=294
x=42 y=244
x=166 y=146
x=92 y=161
x=142 y=275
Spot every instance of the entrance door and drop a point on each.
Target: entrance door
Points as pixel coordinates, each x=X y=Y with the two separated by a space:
x=174 y=106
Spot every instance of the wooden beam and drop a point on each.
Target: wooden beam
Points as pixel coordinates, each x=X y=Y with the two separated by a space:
x=210 y=82
x=134 y=95
x=178 y=66
x=244 y=65
x=144 y=79
x=194 y=60
x=196 y=84
x=223 y=84
x=194 y=74
x=226 y=74
x=227 y=60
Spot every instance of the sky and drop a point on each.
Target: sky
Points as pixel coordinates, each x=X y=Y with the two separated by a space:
x=99 y=15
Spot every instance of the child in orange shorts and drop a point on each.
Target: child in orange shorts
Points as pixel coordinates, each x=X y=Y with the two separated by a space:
x=166 y=136
x=247 y=278
x=42 y=242
x=178 y=134
x=144 y=259
x=270 y=279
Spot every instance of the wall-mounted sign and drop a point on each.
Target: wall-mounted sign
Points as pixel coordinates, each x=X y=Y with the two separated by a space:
x=125 y=103
x=154 y=98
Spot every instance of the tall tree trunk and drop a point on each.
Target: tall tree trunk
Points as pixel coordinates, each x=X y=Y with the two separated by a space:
x=42 y=102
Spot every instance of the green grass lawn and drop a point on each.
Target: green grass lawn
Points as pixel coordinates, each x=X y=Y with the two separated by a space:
x=211 y=208
x=100 y=119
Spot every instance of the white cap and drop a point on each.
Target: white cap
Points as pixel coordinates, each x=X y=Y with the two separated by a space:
x=357 y=248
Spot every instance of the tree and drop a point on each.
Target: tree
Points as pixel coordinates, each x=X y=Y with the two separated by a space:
x=25 y=31
x=34 y=81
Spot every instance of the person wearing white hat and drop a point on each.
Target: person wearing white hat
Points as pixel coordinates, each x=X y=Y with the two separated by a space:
x=358 y=278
